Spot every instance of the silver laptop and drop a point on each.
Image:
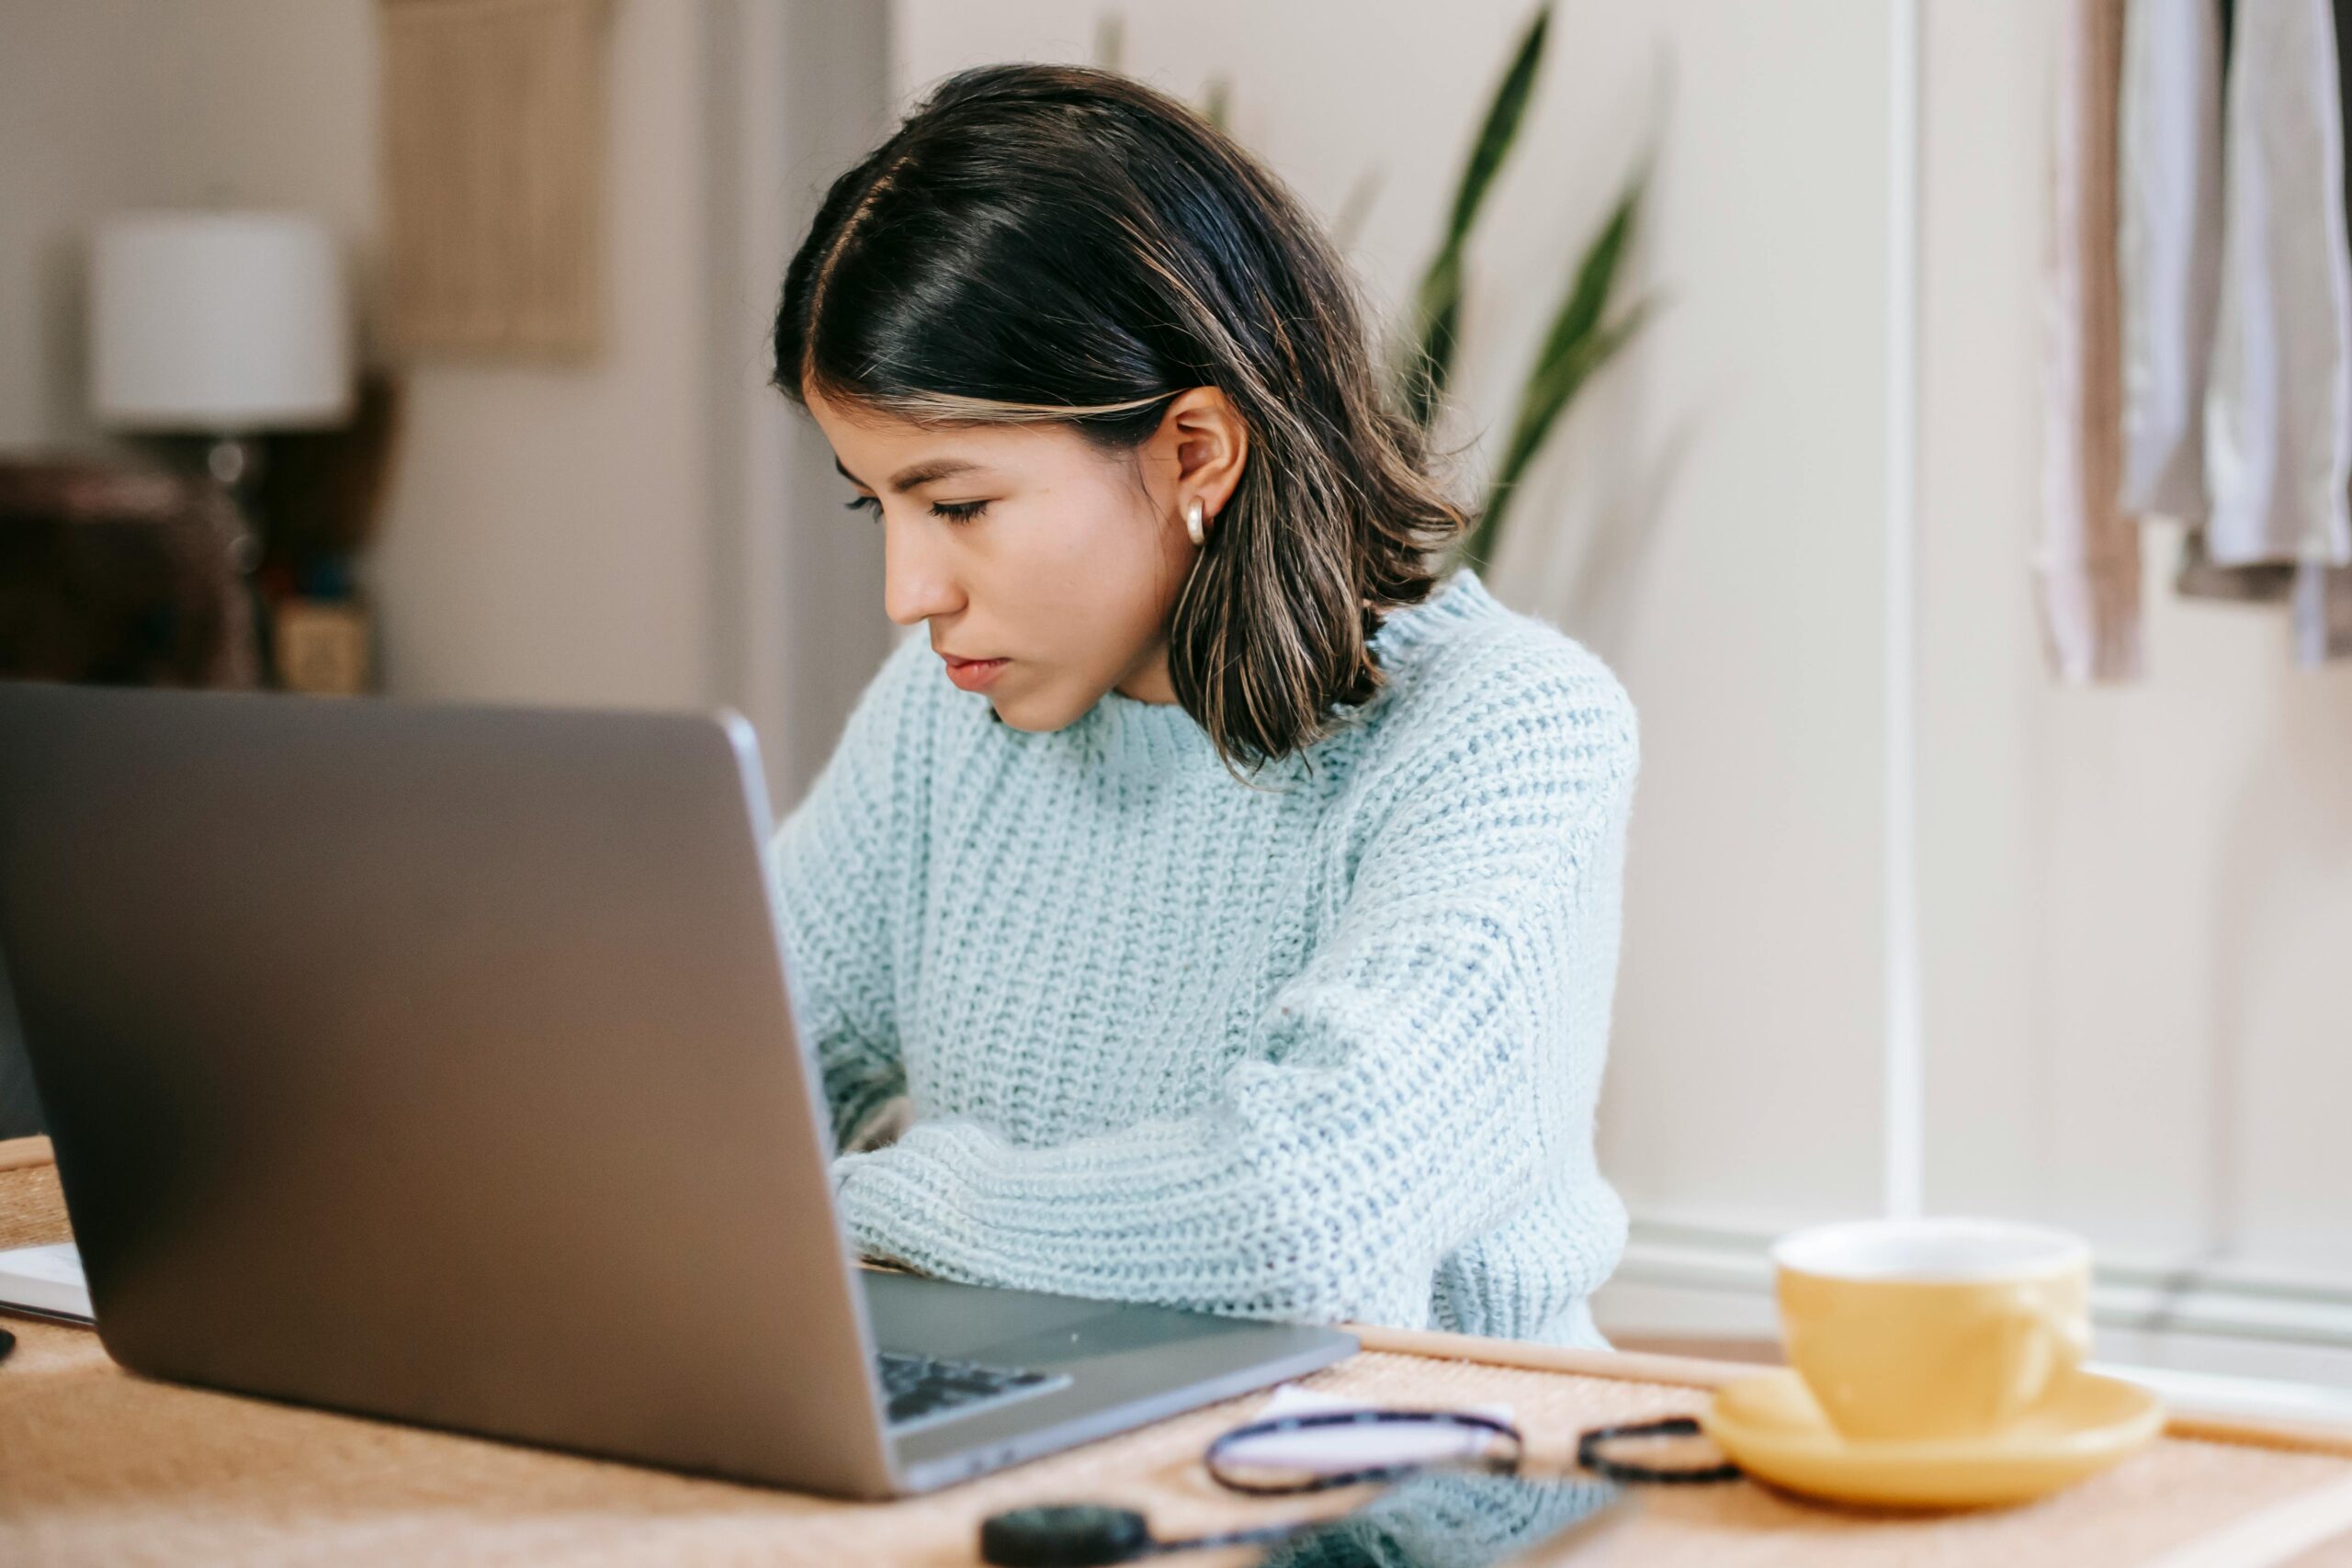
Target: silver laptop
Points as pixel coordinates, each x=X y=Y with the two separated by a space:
x=436 y=1063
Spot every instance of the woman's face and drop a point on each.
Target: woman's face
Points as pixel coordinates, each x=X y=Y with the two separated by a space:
x=1026 y=544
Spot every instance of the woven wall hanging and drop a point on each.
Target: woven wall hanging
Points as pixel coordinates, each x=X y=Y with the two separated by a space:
x=493 y=149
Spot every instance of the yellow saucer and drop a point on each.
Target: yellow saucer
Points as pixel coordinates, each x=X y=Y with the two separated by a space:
x=1772 y=1430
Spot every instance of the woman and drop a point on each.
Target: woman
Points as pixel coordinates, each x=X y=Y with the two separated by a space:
x=1234 y=902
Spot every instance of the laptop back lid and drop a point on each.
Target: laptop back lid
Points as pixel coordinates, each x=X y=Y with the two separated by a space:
x=436 y=1063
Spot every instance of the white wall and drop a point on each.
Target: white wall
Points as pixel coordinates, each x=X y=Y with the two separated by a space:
x=86 y=105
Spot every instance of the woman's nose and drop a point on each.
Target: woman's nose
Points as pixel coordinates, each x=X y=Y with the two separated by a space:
x=918 y=581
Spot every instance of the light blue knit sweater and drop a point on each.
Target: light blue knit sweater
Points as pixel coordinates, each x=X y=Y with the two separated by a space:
x=1323 y=1050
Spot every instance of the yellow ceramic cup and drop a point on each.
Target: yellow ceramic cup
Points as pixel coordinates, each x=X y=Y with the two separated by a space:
x=1907 y=1329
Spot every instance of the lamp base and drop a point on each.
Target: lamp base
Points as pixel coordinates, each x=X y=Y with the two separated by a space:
x=234 y=462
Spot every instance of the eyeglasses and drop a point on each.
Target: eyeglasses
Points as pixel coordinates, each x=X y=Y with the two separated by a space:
x=1246 y=1459
x=1251 y=1459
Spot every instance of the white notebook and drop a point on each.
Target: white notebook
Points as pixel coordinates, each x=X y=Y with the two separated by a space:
x=46 y=1280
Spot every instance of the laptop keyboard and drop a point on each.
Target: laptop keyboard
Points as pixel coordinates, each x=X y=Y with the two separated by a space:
x=919 y=1389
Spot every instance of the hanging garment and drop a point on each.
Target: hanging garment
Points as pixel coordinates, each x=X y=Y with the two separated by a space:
x=2279 y=408
x=2088 y=560
x=2323 y=589
x=2322 y=604
x=2279 y=411
x=2168 y=248
x=2237 y=300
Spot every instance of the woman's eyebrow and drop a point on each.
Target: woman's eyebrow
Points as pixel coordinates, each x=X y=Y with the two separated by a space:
x=915 y=474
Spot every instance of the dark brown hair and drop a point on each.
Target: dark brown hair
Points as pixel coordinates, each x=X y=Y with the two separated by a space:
x=1054 y=243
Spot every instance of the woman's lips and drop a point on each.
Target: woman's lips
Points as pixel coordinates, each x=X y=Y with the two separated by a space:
x=973 y=674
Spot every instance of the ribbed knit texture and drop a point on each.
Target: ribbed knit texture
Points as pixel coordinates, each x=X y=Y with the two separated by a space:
x=1325 y=1049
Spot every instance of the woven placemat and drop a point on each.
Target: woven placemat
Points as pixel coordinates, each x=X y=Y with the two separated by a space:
x=97 y=1466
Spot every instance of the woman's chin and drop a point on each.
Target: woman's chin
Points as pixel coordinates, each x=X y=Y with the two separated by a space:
x=1034 y=712
x=1016 y=712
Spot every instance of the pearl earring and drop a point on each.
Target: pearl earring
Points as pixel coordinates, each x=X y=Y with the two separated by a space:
x=1197 y=522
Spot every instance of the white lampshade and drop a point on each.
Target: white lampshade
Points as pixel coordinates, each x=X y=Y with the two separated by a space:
x=223 y=323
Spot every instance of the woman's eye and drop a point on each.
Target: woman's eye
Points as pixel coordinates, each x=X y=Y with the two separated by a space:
x=955 y=512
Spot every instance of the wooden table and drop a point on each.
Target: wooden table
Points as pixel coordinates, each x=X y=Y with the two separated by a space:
x=98 y=1466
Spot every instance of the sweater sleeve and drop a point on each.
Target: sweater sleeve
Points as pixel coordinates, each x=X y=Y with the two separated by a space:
x=841 y=863
x=1397 y=1097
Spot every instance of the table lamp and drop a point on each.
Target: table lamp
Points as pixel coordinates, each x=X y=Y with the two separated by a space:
x=218 y=323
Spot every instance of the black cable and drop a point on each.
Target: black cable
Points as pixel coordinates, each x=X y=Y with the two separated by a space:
x=1086 y=1535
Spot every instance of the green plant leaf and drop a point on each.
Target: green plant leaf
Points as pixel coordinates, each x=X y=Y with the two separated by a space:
x=1437 y=310
x=1216 y=107
x=1576 y=346
x=1579 y=312
x=1419 y=373
x=1543 y=408
x=1504 y=112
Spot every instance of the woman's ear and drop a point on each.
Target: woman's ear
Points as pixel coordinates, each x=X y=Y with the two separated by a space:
x=1203 y=439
